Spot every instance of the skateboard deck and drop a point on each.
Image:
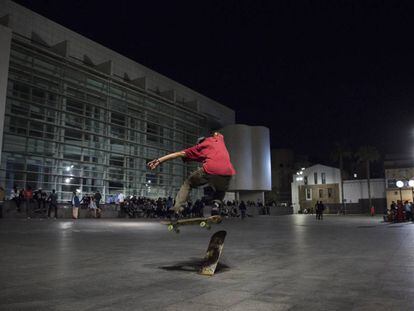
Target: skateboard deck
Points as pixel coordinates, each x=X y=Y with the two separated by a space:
x=213 y=253
x=203 y=222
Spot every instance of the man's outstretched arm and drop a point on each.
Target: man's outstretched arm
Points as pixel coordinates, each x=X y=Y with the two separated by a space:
x=154 y=163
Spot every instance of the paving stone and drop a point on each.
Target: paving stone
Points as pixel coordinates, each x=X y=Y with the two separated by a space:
x=257 y=305
x=270 y=263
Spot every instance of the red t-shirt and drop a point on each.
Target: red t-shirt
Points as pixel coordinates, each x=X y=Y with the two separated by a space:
x=212 y=152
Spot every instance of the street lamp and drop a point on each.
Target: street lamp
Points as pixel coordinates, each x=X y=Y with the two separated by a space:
x=400 y=184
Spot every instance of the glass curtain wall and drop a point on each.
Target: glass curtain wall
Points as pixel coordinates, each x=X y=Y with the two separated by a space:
x=68 y=127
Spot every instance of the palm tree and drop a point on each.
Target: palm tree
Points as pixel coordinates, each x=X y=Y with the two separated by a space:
x=368 y=154
x=339 y=153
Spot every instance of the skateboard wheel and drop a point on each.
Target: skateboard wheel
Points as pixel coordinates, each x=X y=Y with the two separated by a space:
x=170 y=227
x=177 y=231
x=208 y=227
x=203 y=224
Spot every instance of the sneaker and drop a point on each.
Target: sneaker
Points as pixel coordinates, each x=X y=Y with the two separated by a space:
x=217 y=203
x=177 y=209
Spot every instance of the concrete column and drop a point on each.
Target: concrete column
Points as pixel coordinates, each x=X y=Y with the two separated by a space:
x=5 y=46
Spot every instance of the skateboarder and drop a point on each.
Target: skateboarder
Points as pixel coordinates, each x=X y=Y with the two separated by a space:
x=216 y=171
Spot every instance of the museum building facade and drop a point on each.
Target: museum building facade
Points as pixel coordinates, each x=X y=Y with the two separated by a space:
x=77 y=116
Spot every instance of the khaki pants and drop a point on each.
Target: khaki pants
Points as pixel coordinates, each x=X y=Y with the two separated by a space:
x=75 y=212
x=198 y=178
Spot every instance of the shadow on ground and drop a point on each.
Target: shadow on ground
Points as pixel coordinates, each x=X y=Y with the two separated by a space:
x=194 y=265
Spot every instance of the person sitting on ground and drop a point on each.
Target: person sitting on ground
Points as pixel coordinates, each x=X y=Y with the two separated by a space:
x=216 y=171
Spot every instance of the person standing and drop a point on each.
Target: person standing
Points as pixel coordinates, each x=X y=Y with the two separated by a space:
x=321 y=209
x=317 y=210
x=408 y=211
x=98 y=198
x=121 y=201
x=400 y=211
x=242 y=208
x=2 y=197
x=28 y=197
x=14 y=196
x=92 y=206
x=75 y=206
x=43 y=199
x=52 y=199
x=169 y=204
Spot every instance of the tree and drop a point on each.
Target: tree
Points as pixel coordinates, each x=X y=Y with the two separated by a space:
x=368 y=154
x=339 y=153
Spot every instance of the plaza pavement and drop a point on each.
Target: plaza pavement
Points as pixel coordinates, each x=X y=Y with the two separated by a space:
x=268 y=263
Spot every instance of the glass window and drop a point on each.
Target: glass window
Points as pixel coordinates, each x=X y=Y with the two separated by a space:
x=118 y=119
x=47 y=84
x=320 y=193
x=315 y=178
x=74 y=106
x=14 y=143
x=37 y=112
x=330 y=192
x=308 y=194
x=116 y=161
x=72 y=136
x=323 y=177
x=38 y=95
x=75 y=92
x=95 y=99
x=18 y=108
x=150 y=179
x=95 y=84
x=38 y=123
x=72 y=152
x=73 y=121
x=21 y=90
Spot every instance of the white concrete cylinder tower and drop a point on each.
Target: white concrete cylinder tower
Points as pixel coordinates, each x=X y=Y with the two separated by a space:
x=249 y=148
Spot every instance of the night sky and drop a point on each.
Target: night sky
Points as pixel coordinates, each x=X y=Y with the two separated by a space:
x=314 y=72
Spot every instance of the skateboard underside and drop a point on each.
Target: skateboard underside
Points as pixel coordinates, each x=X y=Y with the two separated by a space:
x=202 y=222
x=213 y=253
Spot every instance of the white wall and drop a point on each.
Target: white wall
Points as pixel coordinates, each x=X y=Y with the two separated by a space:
x=249 y=148
x=333 y=174
x=354 y=190
x=295 y=197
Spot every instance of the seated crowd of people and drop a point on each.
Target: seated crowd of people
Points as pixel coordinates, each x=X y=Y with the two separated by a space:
x=399 y=212
x=134 y=207
x=43 y=204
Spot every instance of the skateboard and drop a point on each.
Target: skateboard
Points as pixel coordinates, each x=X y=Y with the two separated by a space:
x=203 y=222
x=213 y=253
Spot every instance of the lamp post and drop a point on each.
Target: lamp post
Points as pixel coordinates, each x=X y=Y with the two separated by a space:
x=411 y=184
x=400 y=184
